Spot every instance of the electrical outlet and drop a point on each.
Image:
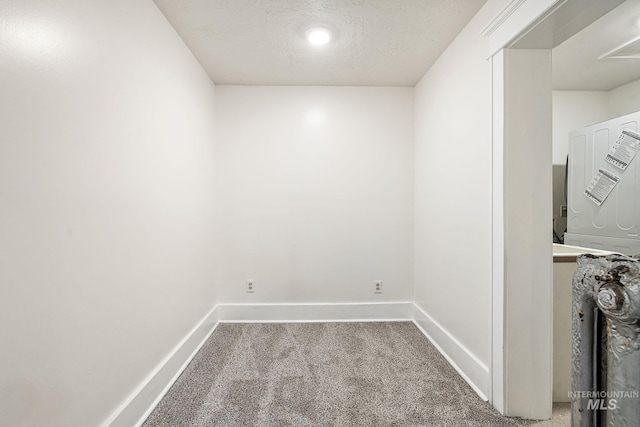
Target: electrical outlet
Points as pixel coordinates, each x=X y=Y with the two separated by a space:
x=377 y=287
x=250 y=286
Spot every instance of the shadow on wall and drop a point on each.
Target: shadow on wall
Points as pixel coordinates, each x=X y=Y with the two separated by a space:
x=559 y=200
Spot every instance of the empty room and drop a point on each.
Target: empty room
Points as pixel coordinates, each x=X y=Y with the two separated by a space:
x=283 y=212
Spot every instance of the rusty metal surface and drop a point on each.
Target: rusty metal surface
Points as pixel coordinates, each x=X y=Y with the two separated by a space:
x=606 y=342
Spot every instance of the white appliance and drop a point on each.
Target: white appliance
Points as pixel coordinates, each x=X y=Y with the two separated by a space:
x=615 y=224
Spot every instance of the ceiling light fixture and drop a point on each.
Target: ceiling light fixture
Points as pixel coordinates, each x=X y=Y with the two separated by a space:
x=628 y=50
x=318 y=35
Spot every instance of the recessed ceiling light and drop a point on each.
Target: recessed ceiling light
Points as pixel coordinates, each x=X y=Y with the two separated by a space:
x=318 y=35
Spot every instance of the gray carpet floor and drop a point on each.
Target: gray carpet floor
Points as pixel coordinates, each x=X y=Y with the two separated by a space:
x=322 y=374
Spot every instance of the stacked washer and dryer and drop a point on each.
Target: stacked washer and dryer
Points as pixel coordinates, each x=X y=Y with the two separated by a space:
x=603 y=188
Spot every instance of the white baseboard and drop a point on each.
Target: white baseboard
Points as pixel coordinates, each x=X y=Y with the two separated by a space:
x=320 y=312
x=137 y=407
x=466 y=363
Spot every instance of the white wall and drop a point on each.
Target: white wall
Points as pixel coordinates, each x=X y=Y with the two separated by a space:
x=573 y=110
x=624 y=99
x=316 y=187
x=106 y=199
x=527 y=255
x=453 y=160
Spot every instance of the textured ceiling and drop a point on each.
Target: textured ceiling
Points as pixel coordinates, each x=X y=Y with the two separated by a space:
x=261 y=42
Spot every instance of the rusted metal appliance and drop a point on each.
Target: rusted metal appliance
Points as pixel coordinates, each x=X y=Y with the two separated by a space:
x=606 y=342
